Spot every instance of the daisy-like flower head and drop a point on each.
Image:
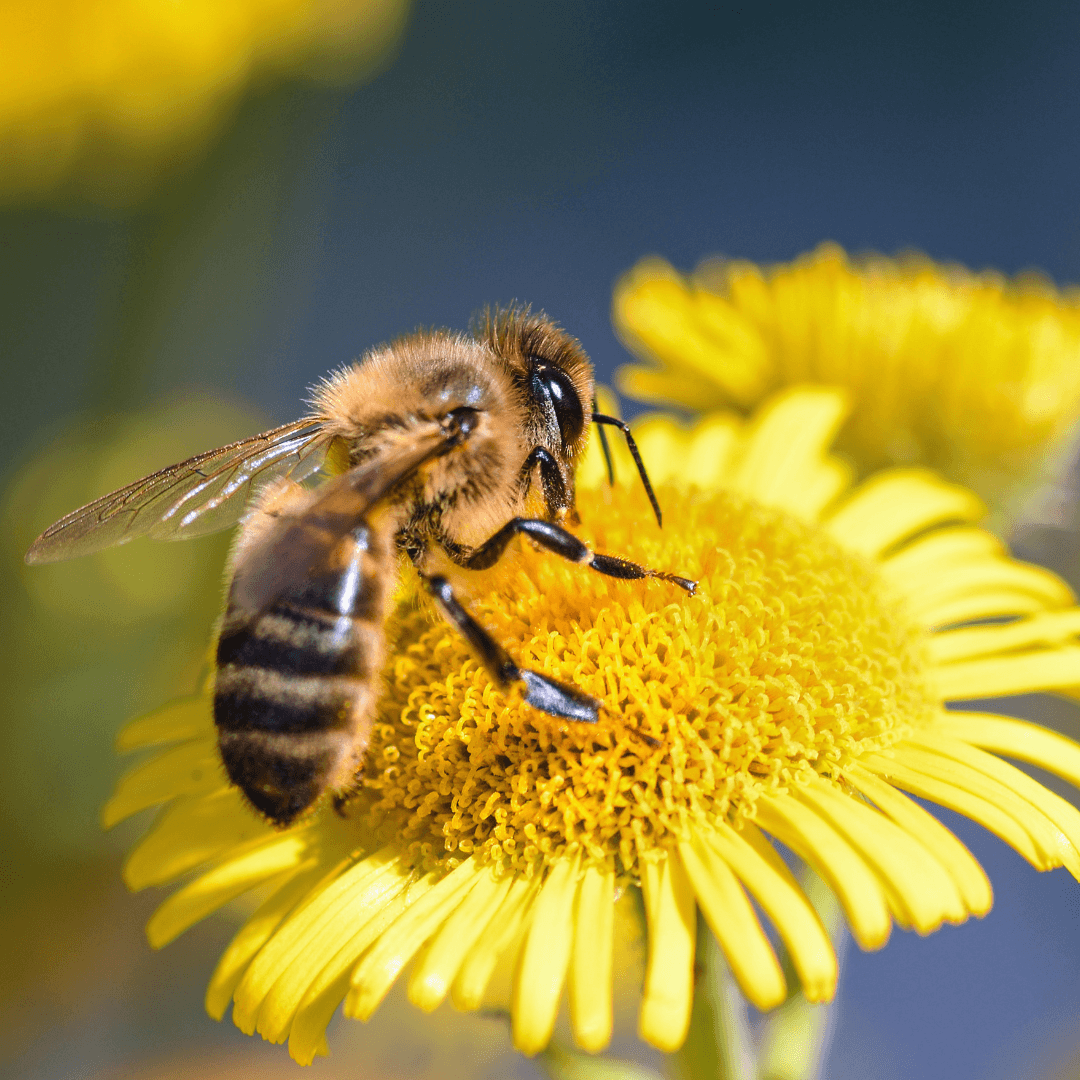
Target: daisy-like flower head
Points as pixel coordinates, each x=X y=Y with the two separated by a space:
x=972 y=374
x=798 y=698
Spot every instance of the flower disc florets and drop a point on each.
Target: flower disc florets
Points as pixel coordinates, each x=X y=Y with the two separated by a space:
x=790 y=658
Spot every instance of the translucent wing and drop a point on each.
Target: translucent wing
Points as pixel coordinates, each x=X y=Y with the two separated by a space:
x=201 y=495
x=302 y=544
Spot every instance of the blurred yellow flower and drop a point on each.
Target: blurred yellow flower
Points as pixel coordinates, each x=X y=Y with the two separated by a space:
x=972 y=374
x=798 y=696
x=100 y=99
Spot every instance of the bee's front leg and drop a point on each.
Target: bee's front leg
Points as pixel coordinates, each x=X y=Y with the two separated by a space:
x=556 y=539
x=541 y=692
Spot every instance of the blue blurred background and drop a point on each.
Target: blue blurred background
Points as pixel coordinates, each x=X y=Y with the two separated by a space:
x=509 y=150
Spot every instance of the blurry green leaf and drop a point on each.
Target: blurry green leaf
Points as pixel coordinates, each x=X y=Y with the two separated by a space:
x=562 y=1064
x=90 y=642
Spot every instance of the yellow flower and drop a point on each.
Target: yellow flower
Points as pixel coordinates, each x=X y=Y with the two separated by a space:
x=797 y=697
x=969 y=373
x=101 y=99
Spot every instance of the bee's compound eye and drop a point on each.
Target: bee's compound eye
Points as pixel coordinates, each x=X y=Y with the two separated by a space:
x=552 y=385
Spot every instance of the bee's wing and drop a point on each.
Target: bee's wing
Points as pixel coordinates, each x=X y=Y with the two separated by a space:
x=302 y=544
x=201 y=495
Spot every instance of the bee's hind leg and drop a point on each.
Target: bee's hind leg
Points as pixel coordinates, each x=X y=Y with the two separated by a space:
x=541 y=692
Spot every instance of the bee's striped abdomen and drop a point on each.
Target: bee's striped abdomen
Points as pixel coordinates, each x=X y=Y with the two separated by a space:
x=296 y=683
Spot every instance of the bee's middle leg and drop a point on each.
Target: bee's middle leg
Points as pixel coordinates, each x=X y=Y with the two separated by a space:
x=541 y=692
x=558 y=540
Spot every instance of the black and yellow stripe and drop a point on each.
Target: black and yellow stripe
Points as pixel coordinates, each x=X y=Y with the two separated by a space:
x=294 y=687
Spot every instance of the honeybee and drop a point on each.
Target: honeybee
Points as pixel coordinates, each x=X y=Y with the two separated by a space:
x=441 y=448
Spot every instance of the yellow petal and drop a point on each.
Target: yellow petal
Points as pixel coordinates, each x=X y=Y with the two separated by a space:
x=990 y=575
x=989 y=604
x=227 y=880
x=591 y=1011
x=669 y=976
x=942 y=548
x=430 y=980
x=330 y=956
x=307 y=1031
x=1053 y=847
x=734 y=924
x=1018 y=673
x=187 y=719
x=254 y=934
x=1051 y=628
x=323 y=924
x=660 y=319
x=788 y=436
x=822 y=483
x=926 y=894
x=962 y=866
x=192 y=768
x=957 y=798
x=541 y=972
x=898 y=503
x=713 y=444
x=813 y=839
x=786 y=905
x=766 y=850
x=475 y=974
x=663 y=444
x=375 y=974
x=704 y=455
x=664 y=386
x=1015 y=738
x=739 y=359
x=192 y=830
x=1060 y=813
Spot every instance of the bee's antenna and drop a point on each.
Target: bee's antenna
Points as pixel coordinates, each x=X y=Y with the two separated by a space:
x=604 y=447
x=600 y=418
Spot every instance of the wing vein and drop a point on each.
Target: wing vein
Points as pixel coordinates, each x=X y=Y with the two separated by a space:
x=204 y=494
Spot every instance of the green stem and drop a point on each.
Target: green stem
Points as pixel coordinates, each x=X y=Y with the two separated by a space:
x=718 y=1046
x=562 y=1064
x=796 y=1036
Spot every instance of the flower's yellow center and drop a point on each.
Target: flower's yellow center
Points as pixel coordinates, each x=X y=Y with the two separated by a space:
x=791 y=657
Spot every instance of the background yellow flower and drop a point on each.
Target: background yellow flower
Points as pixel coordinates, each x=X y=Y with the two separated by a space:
x=973 y=374
x=101 y=99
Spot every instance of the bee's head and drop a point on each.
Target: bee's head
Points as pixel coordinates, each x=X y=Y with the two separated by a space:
x=552 y=375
